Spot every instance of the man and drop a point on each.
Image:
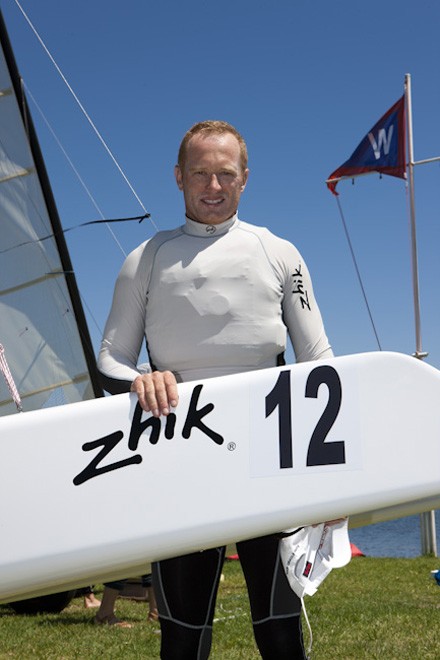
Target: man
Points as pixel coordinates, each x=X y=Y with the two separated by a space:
x=211 y=298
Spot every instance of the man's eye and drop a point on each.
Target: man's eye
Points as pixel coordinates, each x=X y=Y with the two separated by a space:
x=227 y=176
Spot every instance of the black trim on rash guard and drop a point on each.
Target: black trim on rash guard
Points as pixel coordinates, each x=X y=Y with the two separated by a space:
x=280 y=360
x=115 y=386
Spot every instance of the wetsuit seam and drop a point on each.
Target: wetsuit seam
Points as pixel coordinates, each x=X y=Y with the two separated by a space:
x=273 y=587
x=208 y=626
x=162 y=591
x=192 y=626
x=264 y=250
x=214 y=590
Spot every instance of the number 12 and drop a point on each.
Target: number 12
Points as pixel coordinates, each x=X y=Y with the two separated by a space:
x=319 y=452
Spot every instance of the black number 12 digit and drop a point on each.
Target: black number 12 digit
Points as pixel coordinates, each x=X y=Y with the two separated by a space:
x=320 y=452
x=280 y=397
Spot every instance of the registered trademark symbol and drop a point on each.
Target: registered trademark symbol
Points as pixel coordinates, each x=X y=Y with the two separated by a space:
x=232 y=446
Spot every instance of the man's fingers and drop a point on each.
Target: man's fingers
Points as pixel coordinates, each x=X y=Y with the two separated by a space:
x=158 y=395
x=171 y=388
x=157 y=392
x=138 y=387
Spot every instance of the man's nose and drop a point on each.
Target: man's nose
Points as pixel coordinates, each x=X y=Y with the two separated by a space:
x=214 y=182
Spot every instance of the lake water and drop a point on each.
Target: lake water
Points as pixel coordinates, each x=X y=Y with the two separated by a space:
x=395 y=538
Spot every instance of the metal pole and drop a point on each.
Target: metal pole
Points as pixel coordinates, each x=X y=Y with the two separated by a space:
x=427 y=519
x=427 y=533
x=415 y=277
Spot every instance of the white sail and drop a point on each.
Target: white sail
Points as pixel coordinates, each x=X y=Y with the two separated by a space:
x=42 y=325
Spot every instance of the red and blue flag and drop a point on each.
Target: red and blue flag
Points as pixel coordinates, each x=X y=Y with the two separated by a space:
x=381 y=150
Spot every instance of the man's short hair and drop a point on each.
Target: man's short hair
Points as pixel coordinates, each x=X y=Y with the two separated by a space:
x=212 y=127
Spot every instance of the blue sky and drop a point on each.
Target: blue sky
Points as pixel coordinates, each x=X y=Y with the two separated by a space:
x=303 y=81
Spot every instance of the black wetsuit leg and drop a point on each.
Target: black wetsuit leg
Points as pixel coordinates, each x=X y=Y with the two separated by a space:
x=186 y=590
x=275 y=608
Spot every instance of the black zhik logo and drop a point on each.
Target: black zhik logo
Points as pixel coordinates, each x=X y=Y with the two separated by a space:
x=138 y=428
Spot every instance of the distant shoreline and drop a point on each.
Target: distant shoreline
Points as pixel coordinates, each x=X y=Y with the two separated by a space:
x=395 y=538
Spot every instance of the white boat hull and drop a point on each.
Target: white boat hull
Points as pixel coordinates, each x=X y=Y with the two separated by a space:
x=91 y=491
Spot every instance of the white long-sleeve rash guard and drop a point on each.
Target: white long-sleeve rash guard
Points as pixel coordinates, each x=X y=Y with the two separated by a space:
x=210 y=300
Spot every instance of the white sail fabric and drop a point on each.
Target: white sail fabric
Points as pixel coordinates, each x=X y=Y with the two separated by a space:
x=38 y=328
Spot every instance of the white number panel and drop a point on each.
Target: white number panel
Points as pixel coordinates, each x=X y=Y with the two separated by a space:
x=309 y=421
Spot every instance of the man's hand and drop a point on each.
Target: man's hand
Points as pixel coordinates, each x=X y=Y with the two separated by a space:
x=157 y=392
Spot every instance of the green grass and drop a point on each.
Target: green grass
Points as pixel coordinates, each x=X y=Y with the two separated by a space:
x=372 y=608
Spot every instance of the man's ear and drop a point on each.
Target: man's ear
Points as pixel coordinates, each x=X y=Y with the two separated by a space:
x=179 y=177
x=245 y=179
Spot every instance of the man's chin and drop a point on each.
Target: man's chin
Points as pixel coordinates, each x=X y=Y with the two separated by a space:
x=213 y=216
x=210 y=218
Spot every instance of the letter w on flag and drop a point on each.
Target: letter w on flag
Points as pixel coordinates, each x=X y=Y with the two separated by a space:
x=381 y=150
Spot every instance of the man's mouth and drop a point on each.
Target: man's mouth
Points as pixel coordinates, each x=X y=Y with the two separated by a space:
x=212 y=202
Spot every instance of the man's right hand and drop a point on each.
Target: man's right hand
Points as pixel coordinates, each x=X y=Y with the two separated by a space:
x=157 y=392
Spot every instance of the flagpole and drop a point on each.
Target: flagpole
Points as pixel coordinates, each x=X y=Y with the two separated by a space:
x=415 y=277
x=427 y=519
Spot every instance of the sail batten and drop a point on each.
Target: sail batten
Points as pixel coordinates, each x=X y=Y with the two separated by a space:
x=16 y=175
x=30 y=283
x=80 y=378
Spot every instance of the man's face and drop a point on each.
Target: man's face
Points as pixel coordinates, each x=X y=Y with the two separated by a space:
x=212 y=178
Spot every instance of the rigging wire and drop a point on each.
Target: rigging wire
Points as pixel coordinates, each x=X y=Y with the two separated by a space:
x=139 y=218
x=4 y=368
x=357 y=271
x=83 y=110
x=77 y=174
